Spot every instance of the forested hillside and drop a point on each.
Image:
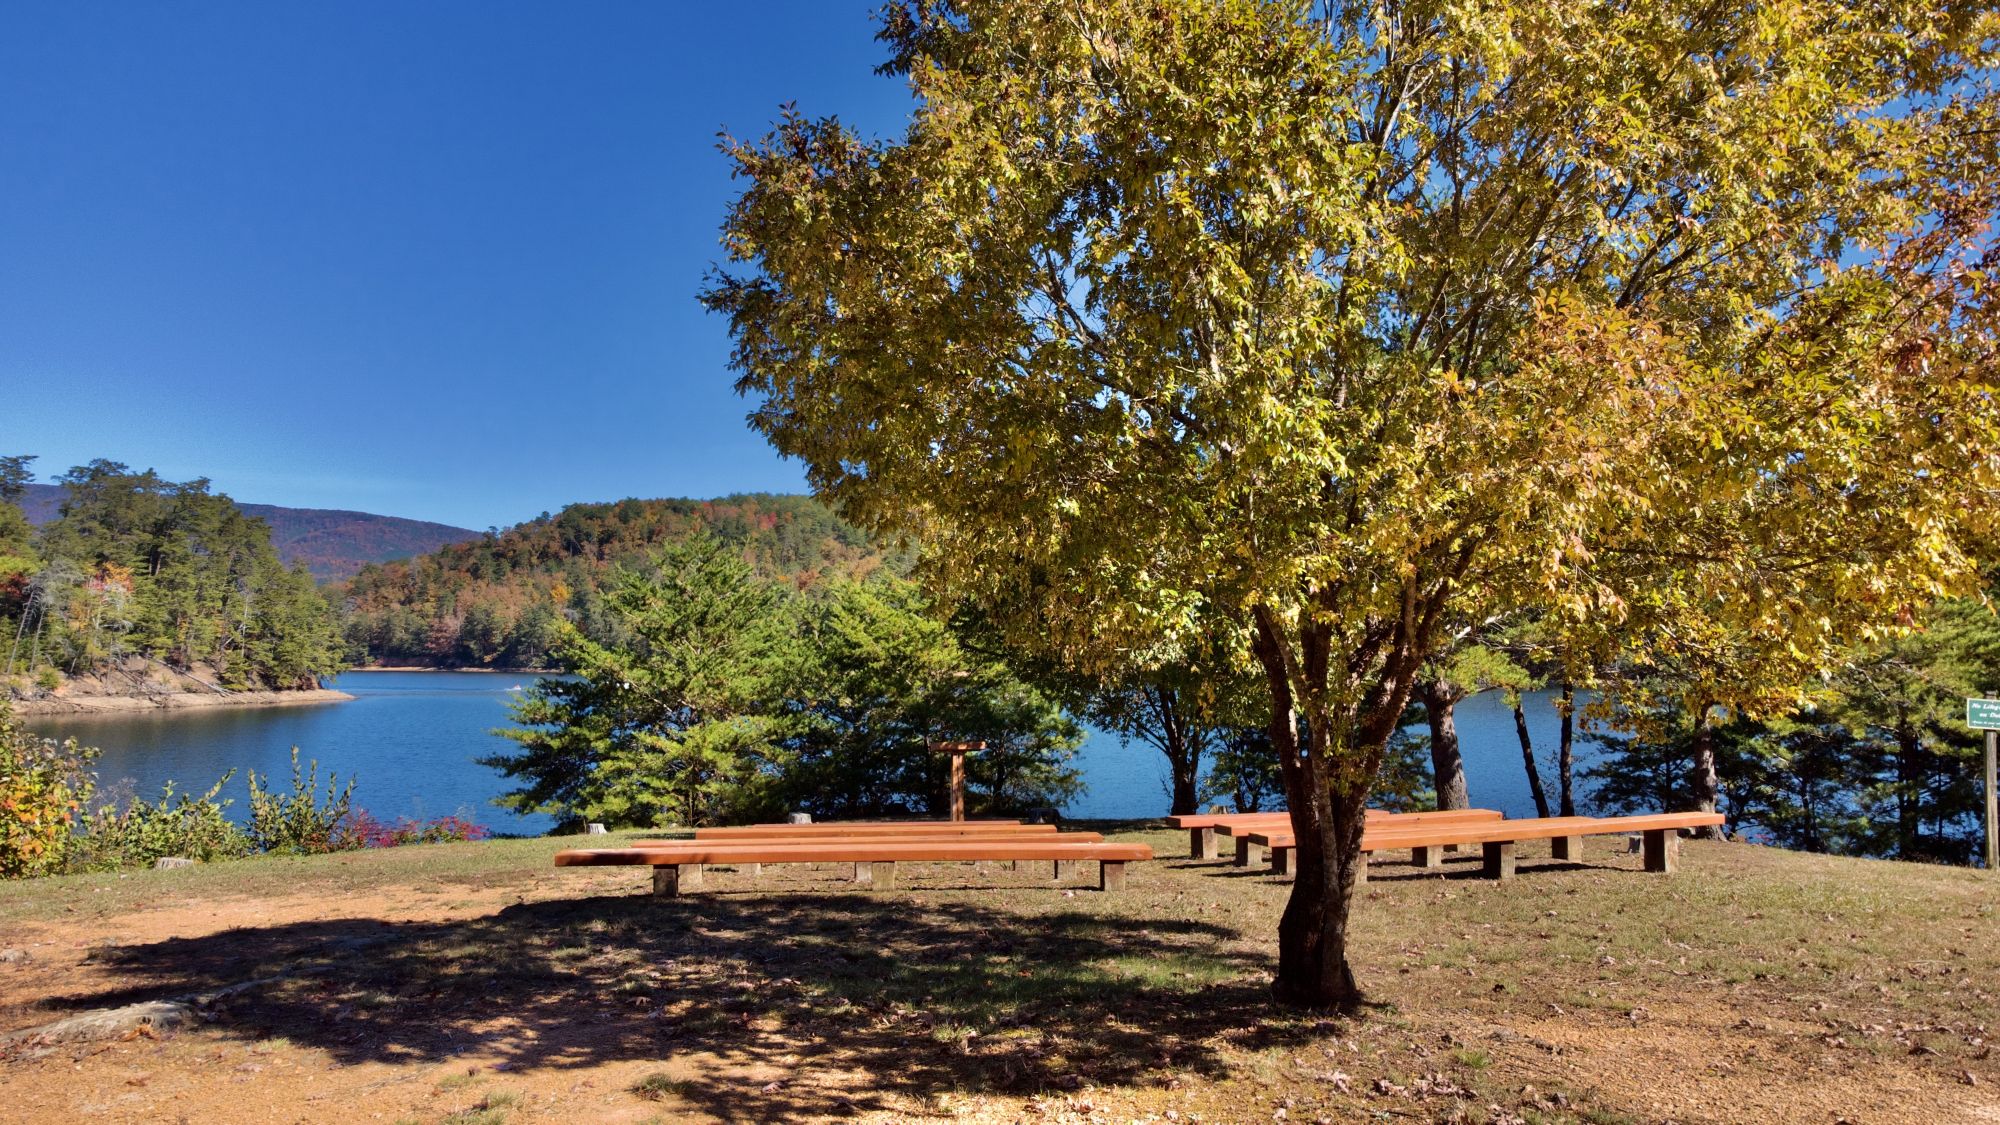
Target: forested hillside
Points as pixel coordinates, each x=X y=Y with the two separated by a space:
x=333 y=543
x=494 y=602
x=133 y=565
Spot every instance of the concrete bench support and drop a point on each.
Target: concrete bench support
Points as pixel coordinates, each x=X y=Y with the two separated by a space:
x=672 y=880
x=1063 y=869
x=1110 y=876
x=1202 y=845
x=1281 y=861
x=1663 y=850
x=1499 y=859
x=1428 y=858
x=864 y=872
x=1246 y=852
x=885 y=875
x=1567 y=847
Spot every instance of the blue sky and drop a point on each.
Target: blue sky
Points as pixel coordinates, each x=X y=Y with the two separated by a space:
x=432 y=259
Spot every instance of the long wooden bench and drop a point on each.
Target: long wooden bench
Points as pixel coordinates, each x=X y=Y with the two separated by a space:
x=1245 y=828
x=845 y=828
x=677 y=866
x=1659 y=834
x=877 y=834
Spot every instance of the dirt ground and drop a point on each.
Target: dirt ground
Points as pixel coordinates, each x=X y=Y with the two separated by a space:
x=475 y=984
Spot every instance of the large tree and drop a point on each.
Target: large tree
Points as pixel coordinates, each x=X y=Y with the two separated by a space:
x=1356 y=318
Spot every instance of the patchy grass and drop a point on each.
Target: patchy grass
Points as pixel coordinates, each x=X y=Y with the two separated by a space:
x=1755 y=985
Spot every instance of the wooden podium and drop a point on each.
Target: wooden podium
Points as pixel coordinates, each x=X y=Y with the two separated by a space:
x=958 y=751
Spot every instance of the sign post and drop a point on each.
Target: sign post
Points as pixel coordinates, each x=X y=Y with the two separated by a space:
x=958 y=751
x=1984 y=714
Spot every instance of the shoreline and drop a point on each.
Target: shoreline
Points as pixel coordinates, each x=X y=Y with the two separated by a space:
x=172 y=701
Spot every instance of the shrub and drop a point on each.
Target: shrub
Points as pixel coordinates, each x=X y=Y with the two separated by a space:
x=362 y=830
x=42 y=785
x=298 y=821
x=197 y=828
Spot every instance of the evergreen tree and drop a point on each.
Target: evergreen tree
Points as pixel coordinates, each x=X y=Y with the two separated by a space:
x=677 y=726
x=880 y=679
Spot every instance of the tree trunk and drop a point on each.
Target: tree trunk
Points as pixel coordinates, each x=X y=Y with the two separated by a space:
x=1313 y=971
x=1183 y=752
x=1447 y=765
x=1327 y=785
x=1528 y=760
x=1704 y=782
x=1566 y=751
x=1907 y=786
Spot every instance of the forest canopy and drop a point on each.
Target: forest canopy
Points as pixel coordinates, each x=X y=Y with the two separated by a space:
x=497 y=601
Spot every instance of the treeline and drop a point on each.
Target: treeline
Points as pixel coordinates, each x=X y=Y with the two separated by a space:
x=134 y=565
x=732 y=696
x=500 y=601
x=1875 y=761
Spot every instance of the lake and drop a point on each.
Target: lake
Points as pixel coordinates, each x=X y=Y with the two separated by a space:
x=412 y=739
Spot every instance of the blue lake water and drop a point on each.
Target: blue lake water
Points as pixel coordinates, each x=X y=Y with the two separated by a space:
x=412 y=739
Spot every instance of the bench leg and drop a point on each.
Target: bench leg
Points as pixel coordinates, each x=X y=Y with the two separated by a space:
x=1110 y=876
x=885 y=875
x=1663 y=850
x=1428 y=858
x=1499 y=859
x=1567 y=847
x=1361 y=869
x=1202 y=845
x=1281 y=861
x=672 y=879
x=864 y=872
x=755 y=869
x=1242 y=852
x=1063 y=868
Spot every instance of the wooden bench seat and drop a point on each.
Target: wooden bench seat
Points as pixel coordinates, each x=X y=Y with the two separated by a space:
x=677 y=866
x=1246 y=827
x=843 y=829
x=859 y=836
x=863 y=872
x=1660 y=833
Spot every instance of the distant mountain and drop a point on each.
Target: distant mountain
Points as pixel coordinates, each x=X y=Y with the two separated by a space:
x=333 y=544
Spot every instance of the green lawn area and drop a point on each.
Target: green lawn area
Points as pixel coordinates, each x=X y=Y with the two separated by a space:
x=476 y=982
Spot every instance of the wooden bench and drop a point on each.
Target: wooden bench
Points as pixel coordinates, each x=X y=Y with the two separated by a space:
x=677 y=866
x=1247 y=828
x=866 y=833
x=1659 y=832
x=845 y=828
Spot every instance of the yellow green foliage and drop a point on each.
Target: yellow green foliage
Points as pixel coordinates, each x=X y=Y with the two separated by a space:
x=1335 y=322
x=43 y=785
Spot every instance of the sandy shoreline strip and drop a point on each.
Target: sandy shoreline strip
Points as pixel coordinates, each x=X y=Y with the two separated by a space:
x=172 y=701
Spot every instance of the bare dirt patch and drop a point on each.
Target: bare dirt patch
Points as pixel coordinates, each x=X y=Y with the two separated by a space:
x=473 y=983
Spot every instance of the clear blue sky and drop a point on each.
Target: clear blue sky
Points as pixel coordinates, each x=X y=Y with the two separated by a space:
x=428 y=259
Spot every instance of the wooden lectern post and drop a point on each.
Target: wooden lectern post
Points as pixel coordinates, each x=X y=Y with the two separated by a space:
x=957 y=750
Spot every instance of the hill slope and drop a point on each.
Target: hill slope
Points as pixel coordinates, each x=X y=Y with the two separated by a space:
x=334 y=544
x=494 y=602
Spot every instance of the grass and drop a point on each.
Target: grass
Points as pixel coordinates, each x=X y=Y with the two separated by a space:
x=659 y=1087
x=1755 y=984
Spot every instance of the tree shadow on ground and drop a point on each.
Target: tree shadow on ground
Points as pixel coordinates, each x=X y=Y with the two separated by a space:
x=751 y=996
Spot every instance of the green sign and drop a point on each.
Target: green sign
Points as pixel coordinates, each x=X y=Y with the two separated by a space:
x=1982 y=714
